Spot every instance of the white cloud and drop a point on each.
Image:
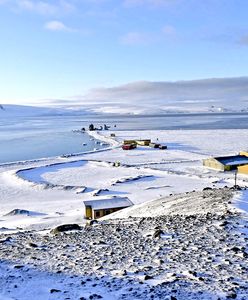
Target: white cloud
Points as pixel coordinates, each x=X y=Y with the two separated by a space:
x=58 y=26
x=41 y=7
x=154 y=3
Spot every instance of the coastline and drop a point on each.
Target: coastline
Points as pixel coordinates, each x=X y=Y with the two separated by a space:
x=177 y=239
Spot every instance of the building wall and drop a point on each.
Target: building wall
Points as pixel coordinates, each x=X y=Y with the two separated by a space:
x=88 y=212
x=214 y=164
x=138 y=142
x=143 y=142
x=125 y=142
x=98 y=213
x=245 y=153
x=243 y=169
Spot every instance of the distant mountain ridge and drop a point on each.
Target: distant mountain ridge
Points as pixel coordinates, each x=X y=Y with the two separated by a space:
x=213 y=95
x=21 y=110
x=11 y=110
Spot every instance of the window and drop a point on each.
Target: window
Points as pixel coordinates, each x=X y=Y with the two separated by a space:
x=97 y=214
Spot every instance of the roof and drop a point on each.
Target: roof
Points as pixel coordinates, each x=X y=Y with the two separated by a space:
x=233 y=160
x=107 y=203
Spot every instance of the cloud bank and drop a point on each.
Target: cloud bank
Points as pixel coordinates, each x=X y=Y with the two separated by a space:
x=215 y=95
x=223 y=89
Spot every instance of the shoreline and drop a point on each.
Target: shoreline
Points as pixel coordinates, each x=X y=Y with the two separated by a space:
x=190 y=244
x=63 y=156
x=144 y=175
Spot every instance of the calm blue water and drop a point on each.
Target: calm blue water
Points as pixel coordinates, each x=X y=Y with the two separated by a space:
x=40 y=137
x=37 y=137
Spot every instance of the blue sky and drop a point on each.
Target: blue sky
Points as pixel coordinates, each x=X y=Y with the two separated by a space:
x=60 y=49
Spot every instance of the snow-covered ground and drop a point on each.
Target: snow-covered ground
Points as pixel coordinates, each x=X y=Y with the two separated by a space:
x=51 y=192
x=58 y=187
x=178 y=255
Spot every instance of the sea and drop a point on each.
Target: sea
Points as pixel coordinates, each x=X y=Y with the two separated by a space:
x=29 y=138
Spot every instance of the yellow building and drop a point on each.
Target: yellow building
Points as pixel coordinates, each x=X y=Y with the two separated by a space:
x=143 y=142
x=245 y=153
x=243 y=169
x=126 y=142
x=226 y=163
x=95 y=209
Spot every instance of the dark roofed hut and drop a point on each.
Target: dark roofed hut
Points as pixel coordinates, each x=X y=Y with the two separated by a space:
x=226 y=163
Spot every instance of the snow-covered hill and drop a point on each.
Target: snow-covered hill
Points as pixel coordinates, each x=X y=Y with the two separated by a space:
x=214 y=95
x=21 y=110
x=9 y=110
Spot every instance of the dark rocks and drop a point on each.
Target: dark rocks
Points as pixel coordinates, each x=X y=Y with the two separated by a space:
x=147 y=277
x=52 y=291
x=65 y=227
x=18 y=211
x=224 y=223
x=231 y=295
x=197 y=255
x=6 y=240
x=18 y=266
x=95 y=296
x=158 y=233
x=98 y=192
x=207 y=188
x=92 y=222
x=33 y=245
x=236 y=249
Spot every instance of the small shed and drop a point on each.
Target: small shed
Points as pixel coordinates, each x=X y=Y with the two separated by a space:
x=154 y=145
x=162 y=147
x=127 y=142
x=95 y=209
x=226 y=163
x=143 y=142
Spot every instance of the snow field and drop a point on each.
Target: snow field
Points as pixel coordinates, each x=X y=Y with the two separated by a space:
x=58 y=187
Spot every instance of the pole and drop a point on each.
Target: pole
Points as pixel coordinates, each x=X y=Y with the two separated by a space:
x=235 y=179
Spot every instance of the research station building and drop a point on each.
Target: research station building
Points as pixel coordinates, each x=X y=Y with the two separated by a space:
x=226 y=163
x=95 y=209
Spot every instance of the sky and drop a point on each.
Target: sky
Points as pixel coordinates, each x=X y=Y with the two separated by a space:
x=63 y=49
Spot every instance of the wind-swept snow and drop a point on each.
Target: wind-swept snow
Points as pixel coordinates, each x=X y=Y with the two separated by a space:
x=176 y=241
x=58 y=187
x=241 y=201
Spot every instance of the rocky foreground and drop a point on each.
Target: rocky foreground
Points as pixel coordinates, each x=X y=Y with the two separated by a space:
x=198 y=256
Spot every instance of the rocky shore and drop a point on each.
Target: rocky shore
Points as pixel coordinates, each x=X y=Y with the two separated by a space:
x=199 y=255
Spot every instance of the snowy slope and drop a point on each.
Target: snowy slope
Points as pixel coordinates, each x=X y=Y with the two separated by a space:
x=213 y=95
x=57 y=187
x=10 y=110
x=188 y=246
